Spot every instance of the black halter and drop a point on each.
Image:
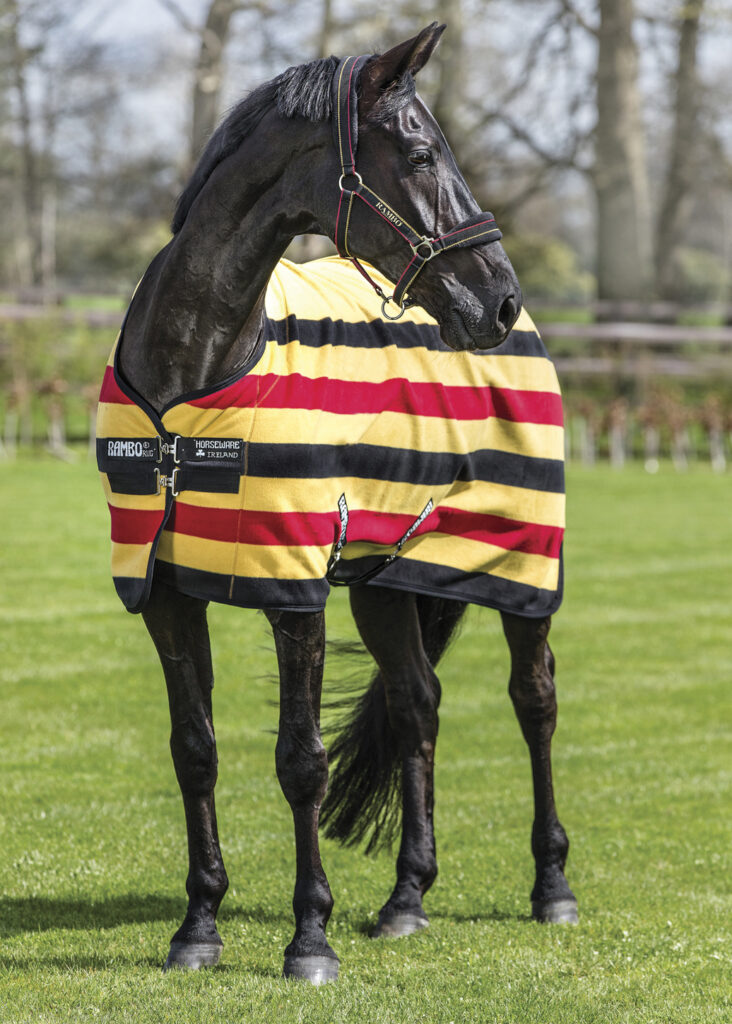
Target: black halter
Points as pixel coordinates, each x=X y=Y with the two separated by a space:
x=475 y=230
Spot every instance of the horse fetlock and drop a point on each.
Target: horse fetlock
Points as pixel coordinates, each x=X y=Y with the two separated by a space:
x=198 y=927
x=550 y=843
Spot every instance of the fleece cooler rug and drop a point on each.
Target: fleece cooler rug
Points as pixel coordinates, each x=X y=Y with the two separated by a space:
x=349 y=449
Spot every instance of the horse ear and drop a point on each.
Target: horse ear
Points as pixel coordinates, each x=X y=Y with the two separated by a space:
x=411 y=55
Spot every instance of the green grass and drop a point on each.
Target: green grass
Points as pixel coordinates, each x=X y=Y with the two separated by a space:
x=92 y=855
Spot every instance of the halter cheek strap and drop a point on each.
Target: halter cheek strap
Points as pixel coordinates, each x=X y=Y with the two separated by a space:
x=476 y=230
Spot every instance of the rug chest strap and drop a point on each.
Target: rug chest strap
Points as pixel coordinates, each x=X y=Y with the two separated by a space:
x=149 y=465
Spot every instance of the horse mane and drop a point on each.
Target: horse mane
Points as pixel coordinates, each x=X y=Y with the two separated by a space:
x=300 y=91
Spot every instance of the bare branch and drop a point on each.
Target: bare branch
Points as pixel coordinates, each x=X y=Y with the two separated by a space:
x=171 y=6
x=569 y=9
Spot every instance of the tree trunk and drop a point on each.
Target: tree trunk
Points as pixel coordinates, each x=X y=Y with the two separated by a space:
x=620 y=174
x=28 y=242
x=450 y=57
x=325 y=35
x=674 y=212
x=209 y=72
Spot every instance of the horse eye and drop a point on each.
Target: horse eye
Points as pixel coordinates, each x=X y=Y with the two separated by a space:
x=420 y=158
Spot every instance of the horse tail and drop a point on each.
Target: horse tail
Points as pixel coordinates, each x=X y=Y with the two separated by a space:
x=365 y=783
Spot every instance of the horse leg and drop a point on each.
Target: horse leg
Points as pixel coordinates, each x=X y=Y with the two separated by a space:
x=302 y=768
x=533 y=694
x=389 y=624
x=178 y=627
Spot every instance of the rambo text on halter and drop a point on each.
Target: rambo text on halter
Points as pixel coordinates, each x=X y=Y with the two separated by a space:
x=476 y=230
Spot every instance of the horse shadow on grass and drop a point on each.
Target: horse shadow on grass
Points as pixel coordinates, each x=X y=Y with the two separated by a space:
x=19 y=914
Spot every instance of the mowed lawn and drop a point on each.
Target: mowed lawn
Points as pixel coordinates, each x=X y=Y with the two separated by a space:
x=92 y=848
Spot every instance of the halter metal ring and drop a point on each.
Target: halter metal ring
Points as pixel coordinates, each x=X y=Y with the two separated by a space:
x=430 y=243
x=353 y=174
x=384 y=304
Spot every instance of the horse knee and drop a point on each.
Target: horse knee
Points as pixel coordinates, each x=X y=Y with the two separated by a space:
x=302 y=769
x=193 y=746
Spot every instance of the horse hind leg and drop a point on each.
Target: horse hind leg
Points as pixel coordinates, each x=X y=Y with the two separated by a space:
x=400 y=631
x=178 y=627
x=534 y=699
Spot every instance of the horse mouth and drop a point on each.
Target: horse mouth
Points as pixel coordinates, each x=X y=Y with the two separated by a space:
x=462 y=337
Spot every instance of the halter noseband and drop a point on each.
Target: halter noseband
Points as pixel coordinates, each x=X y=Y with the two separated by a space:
x=476 y=230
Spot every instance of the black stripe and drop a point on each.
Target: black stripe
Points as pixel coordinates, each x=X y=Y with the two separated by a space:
x=133 y=591
x=475 y=588
x=378 y=333
x=248 y=591
x=374 y=462
x=402 y=574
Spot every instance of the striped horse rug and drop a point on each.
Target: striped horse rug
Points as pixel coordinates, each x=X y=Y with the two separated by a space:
x=349 y=448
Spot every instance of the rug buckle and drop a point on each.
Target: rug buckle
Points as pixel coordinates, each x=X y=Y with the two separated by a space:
x=164 y=448
x=163 y=481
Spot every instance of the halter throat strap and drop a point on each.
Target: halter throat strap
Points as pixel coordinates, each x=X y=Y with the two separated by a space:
x=478 y=229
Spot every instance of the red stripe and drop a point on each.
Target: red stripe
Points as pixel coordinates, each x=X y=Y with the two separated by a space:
x=455 y=402
x=512 y=534
x=135 y=525
x=111 y=391
x=298 y=529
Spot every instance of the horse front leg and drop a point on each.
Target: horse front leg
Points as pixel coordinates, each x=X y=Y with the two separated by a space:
x=178 y=627
x=302 y=768
x=534 y=699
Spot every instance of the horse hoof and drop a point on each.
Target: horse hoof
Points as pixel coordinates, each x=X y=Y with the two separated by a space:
x=396 y=926
x=555 y=911
x=318 y=970
x=190 y=956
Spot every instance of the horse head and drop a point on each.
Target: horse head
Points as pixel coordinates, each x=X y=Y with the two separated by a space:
x=403 y=205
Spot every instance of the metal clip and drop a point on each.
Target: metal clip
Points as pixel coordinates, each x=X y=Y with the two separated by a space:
x=431 y=251
x=169 y=449
x=400 y=314
x=167 y=481
x=353 y=174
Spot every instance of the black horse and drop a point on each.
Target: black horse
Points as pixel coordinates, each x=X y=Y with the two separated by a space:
x=271 y=172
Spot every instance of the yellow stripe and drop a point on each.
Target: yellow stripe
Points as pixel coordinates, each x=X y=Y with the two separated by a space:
x=130 y=559
x=453 y=369
x=331 y=285
x=260 y=560
x=527 y=506
x=115 y=420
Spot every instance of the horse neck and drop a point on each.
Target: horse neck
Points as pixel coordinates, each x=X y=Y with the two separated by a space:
x=198 y=312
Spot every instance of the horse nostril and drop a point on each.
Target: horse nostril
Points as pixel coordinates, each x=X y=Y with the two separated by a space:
x=508 y=312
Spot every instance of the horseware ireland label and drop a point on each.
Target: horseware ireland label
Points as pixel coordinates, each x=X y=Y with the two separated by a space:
x=227 y=452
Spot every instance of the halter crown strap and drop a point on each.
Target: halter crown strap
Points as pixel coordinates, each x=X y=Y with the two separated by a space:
x=478 y=229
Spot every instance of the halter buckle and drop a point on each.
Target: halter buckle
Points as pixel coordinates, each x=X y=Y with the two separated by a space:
x=429 y=243
x=351 y=174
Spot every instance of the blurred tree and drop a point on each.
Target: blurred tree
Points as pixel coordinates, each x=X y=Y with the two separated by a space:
x=208 y=73
x=675 y=206
x=620 y=173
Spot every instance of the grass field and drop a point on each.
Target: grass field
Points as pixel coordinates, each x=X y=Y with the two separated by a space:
x=92 y=854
